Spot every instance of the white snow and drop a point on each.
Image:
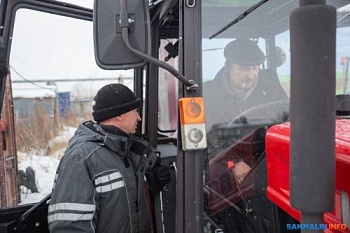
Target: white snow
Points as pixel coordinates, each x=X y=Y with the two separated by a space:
x=44 y=167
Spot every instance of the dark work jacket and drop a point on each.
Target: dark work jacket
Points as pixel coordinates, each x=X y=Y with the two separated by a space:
x=221 y=106
x=99 y=185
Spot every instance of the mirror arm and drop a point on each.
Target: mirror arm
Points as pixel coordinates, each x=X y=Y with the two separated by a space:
x=124 y=24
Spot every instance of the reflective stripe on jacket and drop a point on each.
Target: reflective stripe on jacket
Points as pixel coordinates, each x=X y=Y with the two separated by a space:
x=100 y=186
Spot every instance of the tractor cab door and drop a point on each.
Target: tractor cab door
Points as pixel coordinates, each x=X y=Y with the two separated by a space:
x=52 y=77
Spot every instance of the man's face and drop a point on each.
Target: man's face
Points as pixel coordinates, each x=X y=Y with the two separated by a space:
x=242 y=78
x=128 y=121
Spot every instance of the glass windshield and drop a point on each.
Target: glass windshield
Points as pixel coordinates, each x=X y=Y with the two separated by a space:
x=246 y=88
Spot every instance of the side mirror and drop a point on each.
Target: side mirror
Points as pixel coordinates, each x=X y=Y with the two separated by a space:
x=111 y=53
x=280 y=56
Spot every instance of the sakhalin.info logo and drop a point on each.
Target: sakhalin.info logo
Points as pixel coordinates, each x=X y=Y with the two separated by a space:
x=316 y=226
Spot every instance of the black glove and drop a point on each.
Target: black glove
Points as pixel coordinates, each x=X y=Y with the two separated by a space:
x=158 y=176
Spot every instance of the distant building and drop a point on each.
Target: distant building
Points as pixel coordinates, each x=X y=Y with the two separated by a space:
x=27 y=108
x=81 y=107
x=27 y=104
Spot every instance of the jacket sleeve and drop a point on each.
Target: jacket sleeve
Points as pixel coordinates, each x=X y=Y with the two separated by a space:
x=72 y=207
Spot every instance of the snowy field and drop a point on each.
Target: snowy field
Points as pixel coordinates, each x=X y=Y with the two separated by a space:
x=44 y=167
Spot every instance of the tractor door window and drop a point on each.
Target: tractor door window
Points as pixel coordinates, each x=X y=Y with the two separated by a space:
x=54 y=77
x=343 y=59
x=246 y=90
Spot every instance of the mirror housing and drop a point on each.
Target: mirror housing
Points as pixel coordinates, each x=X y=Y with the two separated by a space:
x=110 y=50
x=280 y=56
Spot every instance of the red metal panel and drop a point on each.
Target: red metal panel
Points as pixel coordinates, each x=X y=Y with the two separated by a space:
x=277 y=156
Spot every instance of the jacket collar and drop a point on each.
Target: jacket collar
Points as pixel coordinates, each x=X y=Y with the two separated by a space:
x=111 y=137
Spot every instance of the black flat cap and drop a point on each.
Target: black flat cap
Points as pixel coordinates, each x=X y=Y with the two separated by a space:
x=244 y=52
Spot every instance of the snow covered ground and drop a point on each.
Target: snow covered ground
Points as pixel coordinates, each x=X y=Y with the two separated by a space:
x=44 y=167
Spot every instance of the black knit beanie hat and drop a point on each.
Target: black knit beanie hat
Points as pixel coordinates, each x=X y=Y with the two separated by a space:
x=114 y=100
x=244 y=52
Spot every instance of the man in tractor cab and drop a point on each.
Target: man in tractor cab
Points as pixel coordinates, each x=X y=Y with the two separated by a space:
x=241 y=84
x=241 y=102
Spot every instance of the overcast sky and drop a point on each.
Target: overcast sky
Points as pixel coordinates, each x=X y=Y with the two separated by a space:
x=55 y=48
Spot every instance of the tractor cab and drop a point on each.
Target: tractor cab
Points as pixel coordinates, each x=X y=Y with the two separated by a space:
x=252 y=147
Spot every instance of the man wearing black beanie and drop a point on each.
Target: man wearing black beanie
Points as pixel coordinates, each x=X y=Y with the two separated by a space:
x=99 y=184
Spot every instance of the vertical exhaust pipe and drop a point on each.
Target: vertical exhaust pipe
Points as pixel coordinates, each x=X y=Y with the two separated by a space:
x=312 y=110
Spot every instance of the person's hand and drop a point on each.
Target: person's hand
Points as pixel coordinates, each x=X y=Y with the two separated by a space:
x=240 y=170
x=158 y=176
